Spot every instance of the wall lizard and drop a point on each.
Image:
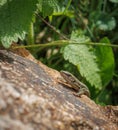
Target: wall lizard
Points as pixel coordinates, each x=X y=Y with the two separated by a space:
x=75 y=83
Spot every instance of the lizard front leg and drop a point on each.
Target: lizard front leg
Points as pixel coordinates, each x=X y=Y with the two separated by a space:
x=83 y=91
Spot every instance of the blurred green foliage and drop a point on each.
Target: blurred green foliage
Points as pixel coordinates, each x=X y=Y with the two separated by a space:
x=88 y=27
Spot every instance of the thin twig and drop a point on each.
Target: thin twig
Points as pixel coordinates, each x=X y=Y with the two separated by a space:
x=52 y=27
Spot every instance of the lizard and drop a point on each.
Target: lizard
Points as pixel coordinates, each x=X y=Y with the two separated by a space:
x=74 y=83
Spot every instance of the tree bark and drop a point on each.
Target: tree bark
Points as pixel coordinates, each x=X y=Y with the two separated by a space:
x=31 y=98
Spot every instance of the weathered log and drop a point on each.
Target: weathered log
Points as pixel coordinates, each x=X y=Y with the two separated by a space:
x=31 y=98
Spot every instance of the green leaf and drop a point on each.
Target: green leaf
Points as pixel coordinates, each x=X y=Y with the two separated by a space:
x=85 y=60
x=105 y=22
x=77 y=36
x=47 y=7
x=106 y=61
x=16 y=16
x=104 y=98
x=102 y=21
x=114 y=1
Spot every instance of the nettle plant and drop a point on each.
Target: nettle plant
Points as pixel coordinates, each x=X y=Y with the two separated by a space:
x=93 y=60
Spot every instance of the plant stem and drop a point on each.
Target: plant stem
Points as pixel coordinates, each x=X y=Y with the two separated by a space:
x=65 y=42
x=30 y=37
x=69 y=2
